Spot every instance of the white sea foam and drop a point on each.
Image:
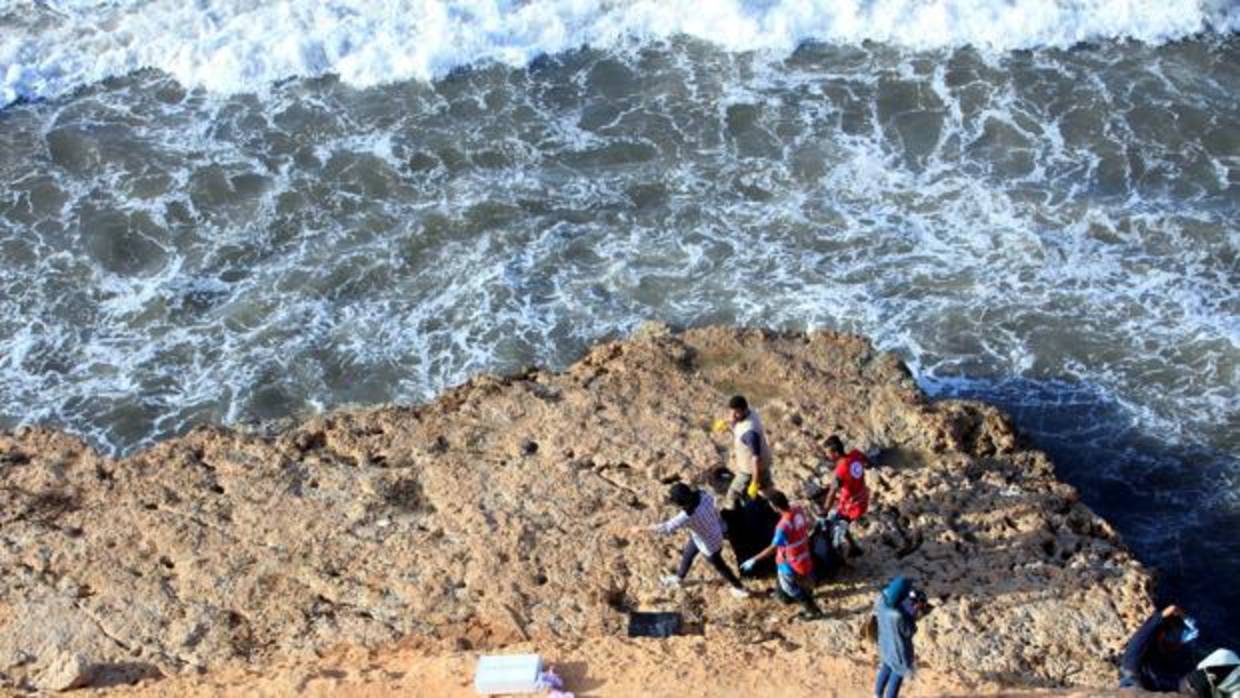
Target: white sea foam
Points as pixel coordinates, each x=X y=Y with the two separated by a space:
x=51 y=47
x=964 y=266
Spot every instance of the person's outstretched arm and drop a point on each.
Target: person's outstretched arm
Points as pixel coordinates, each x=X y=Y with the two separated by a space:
x=670 y=526
x=779 y=539
x=833 y=490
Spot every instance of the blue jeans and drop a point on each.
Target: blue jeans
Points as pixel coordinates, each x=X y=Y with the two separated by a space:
x=789 y=584
x=799 y=589
x=841 y=533
x=887 y=679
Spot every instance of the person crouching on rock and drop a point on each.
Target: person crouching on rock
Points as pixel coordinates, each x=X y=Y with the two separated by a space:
x=751 y=454
x=1157 y=656
x=697 y=512
x=847 y=498
x=792 y=559
x=896 y=610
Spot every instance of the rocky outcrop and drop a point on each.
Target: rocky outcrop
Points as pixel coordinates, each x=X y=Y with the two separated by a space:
x=499 y=513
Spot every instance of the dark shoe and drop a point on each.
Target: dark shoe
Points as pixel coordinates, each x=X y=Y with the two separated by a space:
x=779 y=594
x=811 y=612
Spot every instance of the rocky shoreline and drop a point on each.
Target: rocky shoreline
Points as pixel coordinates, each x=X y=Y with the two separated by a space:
x=498 y=514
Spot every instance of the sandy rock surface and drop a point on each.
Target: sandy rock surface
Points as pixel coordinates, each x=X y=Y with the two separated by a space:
x=599 y=667
x=499 y=514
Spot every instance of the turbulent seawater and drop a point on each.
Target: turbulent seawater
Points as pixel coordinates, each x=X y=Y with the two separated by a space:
x=214 y=213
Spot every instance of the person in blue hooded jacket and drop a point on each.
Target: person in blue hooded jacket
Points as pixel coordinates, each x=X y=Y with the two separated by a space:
x=897 y=609
x=1158 y=657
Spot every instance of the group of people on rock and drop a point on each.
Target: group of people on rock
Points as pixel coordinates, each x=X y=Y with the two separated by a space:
x=1156 y=659
x=834 y=509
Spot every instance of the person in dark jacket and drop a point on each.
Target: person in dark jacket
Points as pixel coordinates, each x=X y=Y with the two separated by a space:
x=1157 y=657
x=897 y=609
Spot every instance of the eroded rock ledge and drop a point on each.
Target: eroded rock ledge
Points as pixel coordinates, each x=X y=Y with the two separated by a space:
x=498 y=513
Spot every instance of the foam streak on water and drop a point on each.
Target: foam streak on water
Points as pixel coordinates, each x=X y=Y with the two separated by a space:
x=1059 y=215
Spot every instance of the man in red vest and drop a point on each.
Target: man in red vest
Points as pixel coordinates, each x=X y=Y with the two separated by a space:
x=848 y=484
x=790 y=547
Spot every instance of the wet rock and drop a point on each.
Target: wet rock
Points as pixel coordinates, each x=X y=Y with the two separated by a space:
x=652 y=329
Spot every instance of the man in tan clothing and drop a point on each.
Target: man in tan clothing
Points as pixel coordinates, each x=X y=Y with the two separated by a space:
x=751 y=454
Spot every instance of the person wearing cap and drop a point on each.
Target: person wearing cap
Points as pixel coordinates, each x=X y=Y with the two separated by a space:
x=698 y=514
x=1157 y=657
x=896 y=611
x=790 y=546
x=847 y=498
x=751 y=454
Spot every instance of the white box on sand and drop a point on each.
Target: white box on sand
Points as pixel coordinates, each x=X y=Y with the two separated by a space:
x=508 y=673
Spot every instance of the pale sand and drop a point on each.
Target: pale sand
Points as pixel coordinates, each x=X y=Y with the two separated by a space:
x=605 y=667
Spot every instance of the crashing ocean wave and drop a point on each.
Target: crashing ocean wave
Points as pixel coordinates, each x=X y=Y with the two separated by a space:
x=52 y=47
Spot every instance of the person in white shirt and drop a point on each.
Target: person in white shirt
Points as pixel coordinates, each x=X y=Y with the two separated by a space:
x=698 y=514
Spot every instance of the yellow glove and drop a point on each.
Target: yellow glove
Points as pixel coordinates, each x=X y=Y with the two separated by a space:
x=719 y=426
x=752 y=490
